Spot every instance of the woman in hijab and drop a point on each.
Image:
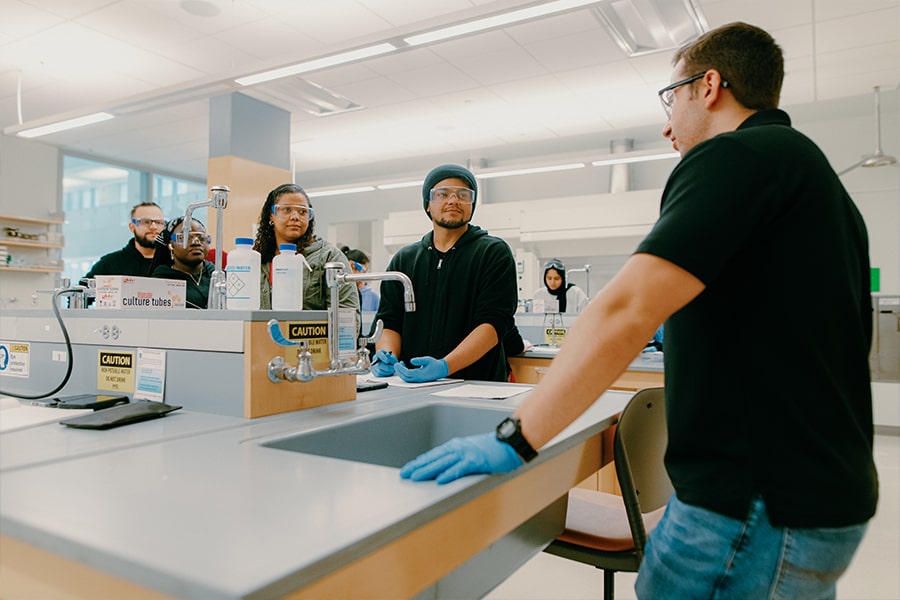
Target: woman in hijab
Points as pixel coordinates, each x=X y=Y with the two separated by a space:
x=556 y=293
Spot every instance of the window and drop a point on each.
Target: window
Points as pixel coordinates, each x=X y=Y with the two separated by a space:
x=97 y=200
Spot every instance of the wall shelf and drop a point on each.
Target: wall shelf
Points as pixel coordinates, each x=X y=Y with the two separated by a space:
x=11 y=241
x=32 y=269
x=32 y=220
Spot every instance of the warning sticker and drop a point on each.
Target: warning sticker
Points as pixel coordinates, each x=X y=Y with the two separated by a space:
x=115 y=371
x=15 y=359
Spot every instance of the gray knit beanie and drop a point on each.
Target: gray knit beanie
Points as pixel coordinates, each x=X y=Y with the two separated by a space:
x=443 y=172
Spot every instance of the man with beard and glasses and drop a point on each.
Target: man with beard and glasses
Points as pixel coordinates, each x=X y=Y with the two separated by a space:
x=147 y=222
x=465 y=287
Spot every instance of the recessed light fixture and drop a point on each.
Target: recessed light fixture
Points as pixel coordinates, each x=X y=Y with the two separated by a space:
x=341 y=191
x=529 y=171
x=507 y=18
x=401 y=184
x=65 y=125
x=624 y=160
x=317 y=63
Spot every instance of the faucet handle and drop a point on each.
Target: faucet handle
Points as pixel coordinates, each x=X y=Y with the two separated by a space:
x=374 y=336
x=277 y=336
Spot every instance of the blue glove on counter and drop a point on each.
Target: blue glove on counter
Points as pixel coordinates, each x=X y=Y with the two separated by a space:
x=459 y=457
x=429 y=369
x=383 y=364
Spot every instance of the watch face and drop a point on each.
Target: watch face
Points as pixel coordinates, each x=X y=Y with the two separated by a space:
x=507 y=428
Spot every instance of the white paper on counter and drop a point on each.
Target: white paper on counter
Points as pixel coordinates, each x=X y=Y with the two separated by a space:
x=485 y=392
x=396 y=381
x=16 y=415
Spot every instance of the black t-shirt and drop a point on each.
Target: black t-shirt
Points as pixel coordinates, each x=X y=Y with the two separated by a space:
x=767 y=377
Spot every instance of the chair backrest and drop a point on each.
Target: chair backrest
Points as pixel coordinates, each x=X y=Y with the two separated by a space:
x=639 y=450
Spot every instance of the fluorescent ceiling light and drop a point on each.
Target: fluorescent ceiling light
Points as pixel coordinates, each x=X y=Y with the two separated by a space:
x=317 y=63
x=341 y=191
x=624 y=160
x=65 y=125
x=496 y=21
x=529 y=171
x=402 y=184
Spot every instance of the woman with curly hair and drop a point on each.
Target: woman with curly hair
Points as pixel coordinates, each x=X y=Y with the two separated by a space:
x=287 y=217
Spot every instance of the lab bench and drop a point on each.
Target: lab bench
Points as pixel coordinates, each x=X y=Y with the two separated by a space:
x=193 y=505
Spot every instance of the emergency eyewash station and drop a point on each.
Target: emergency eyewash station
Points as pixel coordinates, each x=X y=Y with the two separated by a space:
x=274 y=480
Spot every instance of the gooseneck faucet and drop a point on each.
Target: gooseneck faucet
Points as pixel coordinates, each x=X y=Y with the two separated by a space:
x=218 y=291
x=587 y=279
x=335 y=276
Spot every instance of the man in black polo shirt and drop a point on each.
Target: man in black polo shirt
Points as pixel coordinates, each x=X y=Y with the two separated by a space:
x=134 y=259
x=770 y=442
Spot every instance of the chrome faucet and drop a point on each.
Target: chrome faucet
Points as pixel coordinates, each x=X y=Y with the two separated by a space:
x=335 y=276
x=218 y=290
x=587 y=278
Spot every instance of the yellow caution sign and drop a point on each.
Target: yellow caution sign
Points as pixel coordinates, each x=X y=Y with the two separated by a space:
x=115 y=371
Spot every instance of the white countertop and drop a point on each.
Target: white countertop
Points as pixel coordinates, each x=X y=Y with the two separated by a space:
x=192 y=505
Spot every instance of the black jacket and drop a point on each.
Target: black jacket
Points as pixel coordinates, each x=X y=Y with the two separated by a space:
x=471 y=284
x=127 y=261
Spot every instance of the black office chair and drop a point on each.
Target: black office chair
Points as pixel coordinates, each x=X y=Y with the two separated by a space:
x=610 y=531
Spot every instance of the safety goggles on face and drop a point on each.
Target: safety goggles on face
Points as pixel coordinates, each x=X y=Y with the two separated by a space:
x=443 y=194
x=149 y=222
x=194 y=237
x=358 y=266
x=286 y=210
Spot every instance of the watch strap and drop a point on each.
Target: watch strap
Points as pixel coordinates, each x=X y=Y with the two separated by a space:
x=516 y=439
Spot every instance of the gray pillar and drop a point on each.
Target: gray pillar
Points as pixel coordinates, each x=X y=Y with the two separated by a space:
x=248 y=128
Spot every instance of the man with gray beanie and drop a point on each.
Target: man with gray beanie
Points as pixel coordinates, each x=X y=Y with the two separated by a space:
x=466 y=292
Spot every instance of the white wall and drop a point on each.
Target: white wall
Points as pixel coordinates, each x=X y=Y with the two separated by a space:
x=29 y=186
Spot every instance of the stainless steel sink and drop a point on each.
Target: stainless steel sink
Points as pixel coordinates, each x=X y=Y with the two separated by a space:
x=393 y=439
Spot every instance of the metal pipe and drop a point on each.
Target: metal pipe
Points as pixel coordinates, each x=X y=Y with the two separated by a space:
x=217 y=285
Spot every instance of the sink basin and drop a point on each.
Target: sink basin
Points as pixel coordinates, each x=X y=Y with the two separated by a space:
x=393 y=439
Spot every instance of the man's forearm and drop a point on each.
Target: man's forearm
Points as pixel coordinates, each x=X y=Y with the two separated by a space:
x=603 y=341
x=389 y=342
x=474 y=346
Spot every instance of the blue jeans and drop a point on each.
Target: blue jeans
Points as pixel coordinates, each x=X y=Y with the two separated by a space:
x=697 y=554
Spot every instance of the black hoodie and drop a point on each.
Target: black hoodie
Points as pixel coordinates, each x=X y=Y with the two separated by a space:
x=472 y=283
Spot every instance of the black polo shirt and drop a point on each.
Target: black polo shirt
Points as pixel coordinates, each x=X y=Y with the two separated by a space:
x=767 y=375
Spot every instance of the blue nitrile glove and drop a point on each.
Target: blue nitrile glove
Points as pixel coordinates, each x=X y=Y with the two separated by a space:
x=459 y=457
x=429 y=369
x=383 y=363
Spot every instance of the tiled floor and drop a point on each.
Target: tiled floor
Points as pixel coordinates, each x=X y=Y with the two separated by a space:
x=873 y=575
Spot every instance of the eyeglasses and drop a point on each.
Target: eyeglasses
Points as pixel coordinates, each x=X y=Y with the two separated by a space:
x=195 y=236
x=667 y=94
x=443 y=194
x=149 y=222
x=285 y=210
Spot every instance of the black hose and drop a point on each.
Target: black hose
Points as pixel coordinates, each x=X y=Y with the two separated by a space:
x=62 y=326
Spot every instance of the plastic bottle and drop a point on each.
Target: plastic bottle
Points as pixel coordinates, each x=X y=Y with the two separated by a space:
x=243 y=276
x=287 y=278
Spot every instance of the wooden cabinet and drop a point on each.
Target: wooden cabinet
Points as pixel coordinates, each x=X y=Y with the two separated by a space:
x=529 y=369
x=29 y=244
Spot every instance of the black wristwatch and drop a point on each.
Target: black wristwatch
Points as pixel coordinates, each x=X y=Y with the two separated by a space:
x=510 y=431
